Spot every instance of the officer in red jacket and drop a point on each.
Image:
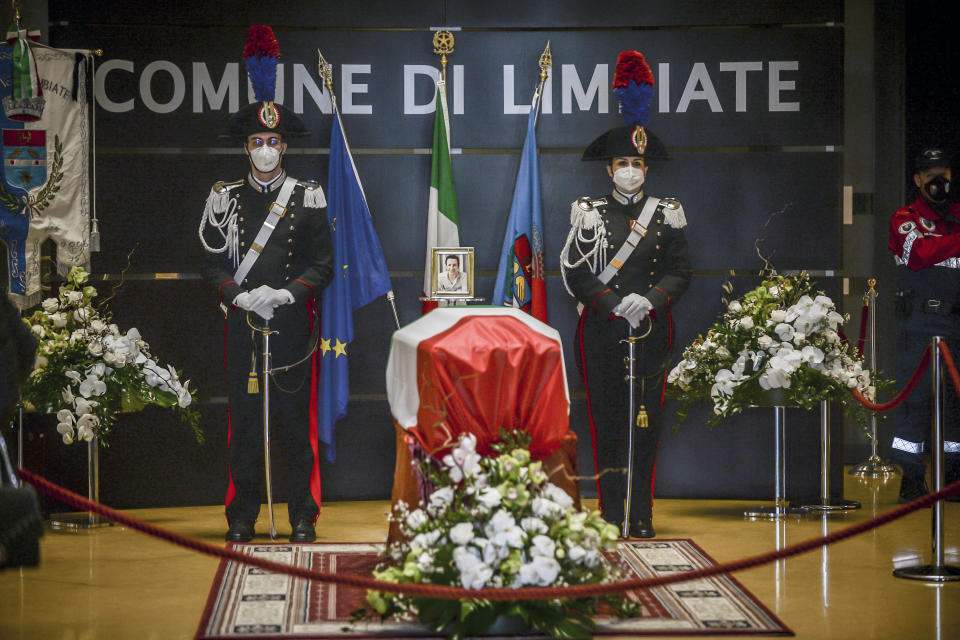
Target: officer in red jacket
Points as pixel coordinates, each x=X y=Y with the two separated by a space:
x=925 y=241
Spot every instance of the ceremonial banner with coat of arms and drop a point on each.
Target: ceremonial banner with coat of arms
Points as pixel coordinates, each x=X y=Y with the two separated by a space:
x=45 y=188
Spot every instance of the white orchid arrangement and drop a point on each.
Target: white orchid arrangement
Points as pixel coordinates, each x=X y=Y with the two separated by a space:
x=498 y=522
x=87 y=370
x=780 y=338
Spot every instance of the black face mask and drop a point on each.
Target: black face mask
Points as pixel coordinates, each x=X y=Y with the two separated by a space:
x=937 y=190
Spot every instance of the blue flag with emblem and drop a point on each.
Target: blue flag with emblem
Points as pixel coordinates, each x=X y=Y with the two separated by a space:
x=360 y=275
x=521 y=275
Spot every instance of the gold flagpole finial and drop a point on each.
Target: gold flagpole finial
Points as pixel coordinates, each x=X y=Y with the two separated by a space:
x=325 y=69
x=443 y=45
x=546 y=62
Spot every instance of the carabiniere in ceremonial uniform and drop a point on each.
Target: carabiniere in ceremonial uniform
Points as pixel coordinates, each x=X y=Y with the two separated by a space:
x=269 y=256
x=626 y=263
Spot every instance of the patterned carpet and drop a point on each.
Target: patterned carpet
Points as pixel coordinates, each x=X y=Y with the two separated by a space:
x=246 y=602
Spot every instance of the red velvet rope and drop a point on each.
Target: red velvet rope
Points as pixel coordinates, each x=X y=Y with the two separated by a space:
x=439 y=591
x=914 y=380
x=951 y=367
x=900 y=397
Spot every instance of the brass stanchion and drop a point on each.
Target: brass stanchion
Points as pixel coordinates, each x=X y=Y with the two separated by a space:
x=874 y=466
x=826 y=502
x=937 y=571
x=780 y=508
x=85 y=520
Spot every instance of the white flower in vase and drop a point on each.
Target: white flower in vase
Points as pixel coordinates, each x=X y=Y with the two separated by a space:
x=784 y=331
x=461 y=533
x=183 y=396
x=92 y=386
x=95 y=348
x=66 y=431
x=540 y=571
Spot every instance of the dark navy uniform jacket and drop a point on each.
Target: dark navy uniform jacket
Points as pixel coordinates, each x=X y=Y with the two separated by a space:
x=298 y=256
x=658 y=269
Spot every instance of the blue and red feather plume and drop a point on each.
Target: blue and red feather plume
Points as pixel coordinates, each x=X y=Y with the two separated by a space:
x=633 y=87
x=262 y=51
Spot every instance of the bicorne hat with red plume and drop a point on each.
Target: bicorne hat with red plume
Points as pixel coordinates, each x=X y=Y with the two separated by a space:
x=633 y=87
x=262 y=53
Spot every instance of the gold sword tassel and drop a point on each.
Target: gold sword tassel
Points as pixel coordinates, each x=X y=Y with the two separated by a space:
x=643 y=420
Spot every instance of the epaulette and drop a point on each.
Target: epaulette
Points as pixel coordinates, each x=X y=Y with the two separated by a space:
x=313 y=197
x=673 y=213
x=223 y=187
x=583 y=211
x=219 y=198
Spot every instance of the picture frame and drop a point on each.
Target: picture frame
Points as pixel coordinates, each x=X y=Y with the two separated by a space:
x=456 y=263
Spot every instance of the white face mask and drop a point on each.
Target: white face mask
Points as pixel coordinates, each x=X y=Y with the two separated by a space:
x=629 y=179
x=265 y=158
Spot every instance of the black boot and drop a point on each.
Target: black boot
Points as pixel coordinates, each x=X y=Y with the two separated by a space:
x=642 y=528
x=240 y=531
x=303 y=531
x=912 y=487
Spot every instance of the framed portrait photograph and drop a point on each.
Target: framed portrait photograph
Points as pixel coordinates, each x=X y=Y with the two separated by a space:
x=452 y=272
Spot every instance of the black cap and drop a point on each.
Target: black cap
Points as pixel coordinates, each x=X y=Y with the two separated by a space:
x=253 y=118
x=931 y=158
x=626 y=141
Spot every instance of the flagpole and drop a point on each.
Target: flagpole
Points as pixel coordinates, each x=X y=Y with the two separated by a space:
x=442 y=45
x=325 y=69
x=545 y=63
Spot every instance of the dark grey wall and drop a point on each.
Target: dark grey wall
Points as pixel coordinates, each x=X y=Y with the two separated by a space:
x=754 y=149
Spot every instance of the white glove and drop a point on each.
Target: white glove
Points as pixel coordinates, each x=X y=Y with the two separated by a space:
x=264 y=296
x=633 y=308
x=247 y=302
x=265 y=311
x=243 y=301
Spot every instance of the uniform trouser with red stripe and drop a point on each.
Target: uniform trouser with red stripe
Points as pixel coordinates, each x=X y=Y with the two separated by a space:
x=609 y=406
x=289 y=421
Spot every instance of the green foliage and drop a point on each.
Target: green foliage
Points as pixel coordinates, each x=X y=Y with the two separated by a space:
x=497 y=522
x=87 y=371
x=779 y=344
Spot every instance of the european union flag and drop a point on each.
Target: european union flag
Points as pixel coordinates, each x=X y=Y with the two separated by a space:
x=360 y=276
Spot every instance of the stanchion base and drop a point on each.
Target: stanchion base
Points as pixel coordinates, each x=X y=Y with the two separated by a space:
x=875 y=467
x=77 y=522
x=775 y=513
x=833 y=504
x=929 y=573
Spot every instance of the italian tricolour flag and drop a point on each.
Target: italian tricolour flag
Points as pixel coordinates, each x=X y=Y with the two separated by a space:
x=442 y=226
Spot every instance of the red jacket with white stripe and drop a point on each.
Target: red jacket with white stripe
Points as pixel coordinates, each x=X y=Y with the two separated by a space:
x=919 y=238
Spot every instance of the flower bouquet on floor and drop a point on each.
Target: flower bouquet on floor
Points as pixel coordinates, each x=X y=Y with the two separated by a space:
x=87 y=370
x=779 y=344
x=498 y=522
